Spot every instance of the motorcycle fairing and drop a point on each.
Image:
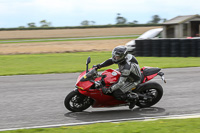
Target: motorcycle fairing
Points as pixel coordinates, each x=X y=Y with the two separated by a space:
x=101 y=100
x=86 y=84
x=112 y=76
x=81 y=75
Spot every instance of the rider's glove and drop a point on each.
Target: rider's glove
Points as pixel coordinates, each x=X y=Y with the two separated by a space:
x=98 y=66
x=106 y=90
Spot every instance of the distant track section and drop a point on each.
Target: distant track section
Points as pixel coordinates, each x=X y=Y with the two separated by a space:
x=64 y=39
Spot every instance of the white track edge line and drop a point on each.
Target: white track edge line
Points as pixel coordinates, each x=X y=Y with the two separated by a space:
x=184 y=116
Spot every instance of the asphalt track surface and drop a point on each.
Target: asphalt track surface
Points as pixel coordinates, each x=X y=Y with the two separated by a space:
x=37 y=100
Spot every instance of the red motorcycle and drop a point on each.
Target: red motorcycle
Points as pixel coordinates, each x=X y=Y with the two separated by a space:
x=89 y=86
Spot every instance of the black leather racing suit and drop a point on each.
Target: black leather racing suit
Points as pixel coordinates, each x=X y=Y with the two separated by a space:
x=130 y=76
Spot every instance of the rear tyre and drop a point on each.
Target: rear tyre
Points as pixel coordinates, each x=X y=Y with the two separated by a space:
x=76 y=102
x=152 y=93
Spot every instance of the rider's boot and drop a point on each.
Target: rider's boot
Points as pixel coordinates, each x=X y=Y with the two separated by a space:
x=132 y=98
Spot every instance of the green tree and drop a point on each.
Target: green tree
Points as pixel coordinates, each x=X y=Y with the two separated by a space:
x=86 y=23
x=120 y=19
x=31 y=25
x=44 y=23
x=21 y=27
x=164 y=19
x=155 y=19
x=134 y=22
x=92 y=22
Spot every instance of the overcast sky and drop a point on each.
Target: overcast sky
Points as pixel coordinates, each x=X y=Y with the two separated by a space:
x=15 y=13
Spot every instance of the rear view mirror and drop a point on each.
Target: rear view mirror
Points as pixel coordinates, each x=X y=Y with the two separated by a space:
x=88 y=60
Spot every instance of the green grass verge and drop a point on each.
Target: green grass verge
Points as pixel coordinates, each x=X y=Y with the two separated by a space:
x=157 y=126
x=62 y=39
x=75 y=62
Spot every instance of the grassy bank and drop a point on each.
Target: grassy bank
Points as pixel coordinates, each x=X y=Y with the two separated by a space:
x=75 y=62
x=157 y=126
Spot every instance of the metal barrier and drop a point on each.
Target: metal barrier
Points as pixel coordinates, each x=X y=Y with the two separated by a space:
x=168 y=47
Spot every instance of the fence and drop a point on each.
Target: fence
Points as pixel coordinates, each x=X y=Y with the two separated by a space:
x=168 y=47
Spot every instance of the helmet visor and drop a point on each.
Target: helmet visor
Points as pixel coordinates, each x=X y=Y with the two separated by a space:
x=117 y=56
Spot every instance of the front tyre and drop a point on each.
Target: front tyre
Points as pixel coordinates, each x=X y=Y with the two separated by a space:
x=76 y=102
x=151 y=93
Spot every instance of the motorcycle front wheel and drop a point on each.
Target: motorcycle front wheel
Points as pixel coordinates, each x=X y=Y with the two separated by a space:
x=76 y=102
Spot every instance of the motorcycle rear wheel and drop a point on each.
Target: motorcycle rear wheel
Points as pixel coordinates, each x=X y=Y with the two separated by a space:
x=153 y=92
x=76 y=102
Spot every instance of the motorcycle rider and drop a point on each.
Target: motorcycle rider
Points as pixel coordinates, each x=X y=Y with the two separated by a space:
x=130 y=75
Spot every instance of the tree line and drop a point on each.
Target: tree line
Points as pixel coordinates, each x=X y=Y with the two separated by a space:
x=43 y=24
x=120 y=20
